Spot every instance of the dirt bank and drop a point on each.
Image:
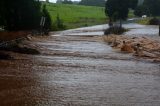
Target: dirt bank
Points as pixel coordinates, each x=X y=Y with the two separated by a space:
x=144 y=47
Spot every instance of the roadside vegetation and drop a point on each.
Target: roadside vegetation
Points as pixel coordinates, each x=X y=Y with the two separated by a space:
x=149 y=21
x=143 y=21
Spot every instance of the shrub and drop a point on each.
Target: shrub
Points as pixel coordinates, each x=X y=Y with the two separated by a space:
x=154 y=21
x=115 y=30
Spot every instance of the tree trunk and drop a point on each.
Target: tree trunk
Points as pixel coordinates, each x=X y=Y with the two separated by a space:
x=110 y=23
x=120 y=23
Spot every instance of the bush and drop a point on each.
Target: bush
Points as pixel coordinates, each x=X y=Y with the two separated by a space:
x=115 y=30
x=154 y=21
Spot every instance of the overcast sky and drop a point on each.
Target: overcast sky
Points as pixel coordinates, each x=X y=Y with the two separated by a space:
x=56 y=0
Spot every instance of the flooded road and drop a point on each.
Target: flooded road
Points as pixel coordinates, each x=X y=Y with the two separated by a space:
x=78 y=71
x=134 y=30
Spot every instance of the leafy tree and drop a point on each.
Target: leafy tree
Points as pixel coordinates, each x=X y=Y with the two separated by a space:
x=20 y=14
x=117 y=10
x=133 y=3
x=93 y=2
x=2 y=8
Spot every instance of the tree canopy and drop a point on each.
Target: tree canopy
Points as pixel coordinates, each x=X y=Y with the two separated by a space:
x=133 y=3
x=117 y=9
x=20 y=14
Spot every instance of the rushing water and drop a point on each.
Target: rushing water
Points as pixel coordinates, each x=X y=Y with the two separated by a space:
x=134 y=30
x=79 y=69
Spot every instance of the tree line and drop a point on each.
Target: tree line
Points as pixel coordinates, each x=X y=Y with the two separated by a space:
x=84 y=2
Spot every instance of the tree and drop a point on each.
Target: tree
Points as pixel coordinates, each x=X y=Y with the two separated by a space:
x=153 y=6
x=133 y=3
x=93 y=2
x=117 y=10
x=2 y=9
x=20 y=14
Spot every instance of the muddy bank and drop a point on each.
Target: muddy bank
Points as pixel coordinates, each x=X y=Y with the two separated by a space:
x=23 y=46
x=144 y=47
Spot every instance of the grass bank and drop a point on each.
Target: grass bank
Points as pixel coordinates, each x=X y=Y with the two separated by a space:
x=74 y=16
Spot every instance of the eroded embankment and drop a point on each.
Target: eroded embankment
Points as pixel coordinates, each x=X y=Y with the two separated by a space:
x=143 y=47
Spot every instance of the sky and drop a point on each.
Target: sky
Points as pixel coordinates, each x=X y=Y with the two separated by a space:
x=56 y=0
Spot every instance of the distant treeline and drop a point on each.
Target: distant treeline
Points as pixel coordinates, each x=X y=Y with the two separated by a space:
x=100 y=3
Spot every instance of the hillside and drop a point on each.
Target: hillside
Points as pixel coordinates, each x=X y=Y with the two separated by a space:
x=75 y=16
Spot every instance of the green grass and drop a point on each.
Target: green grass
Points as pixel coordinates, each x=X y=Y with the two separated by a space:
x=74 y=16
x=144 y=21
x=131 y=14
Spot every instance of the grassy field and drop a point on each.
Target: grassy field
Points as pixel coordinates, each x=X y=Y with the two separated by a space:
x=75 y=16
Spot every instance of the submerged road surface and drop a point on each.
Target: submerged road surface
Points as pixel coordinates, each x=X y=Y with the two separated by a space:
x=78 y=71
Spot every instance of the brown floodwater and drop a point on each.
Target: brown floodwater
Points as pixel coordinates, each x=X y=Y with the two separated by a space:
x=78 y=71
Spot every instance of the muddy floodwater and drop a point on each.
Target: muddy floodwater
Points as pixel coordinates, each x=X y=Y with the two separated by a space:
x=77 y=68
